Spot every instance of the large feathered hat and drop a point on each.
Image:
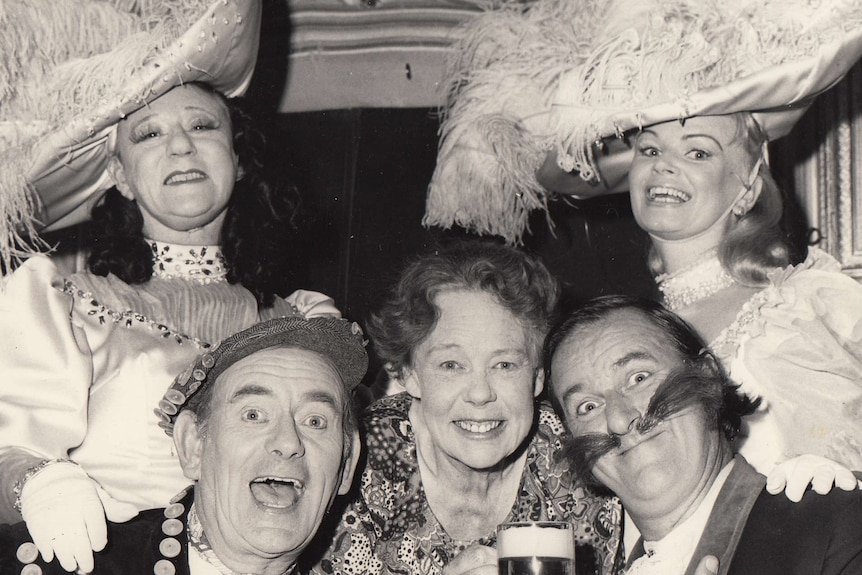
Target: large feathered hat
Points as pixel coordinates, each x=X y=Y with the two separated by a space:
x=71 y=69
x=560 y=77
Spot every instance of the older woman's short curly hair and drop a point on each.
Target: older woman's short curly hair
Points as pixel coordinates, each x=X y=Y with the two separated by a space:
x=518 y=282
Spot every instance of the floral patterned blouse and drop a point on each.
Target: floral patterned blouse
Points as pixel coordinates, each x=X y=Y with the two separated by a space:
x=391 y=529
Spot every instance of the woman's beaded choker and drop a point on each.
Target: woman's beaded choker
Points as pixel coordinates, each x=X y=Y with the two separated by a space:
x=199 y=264
x=694 y=283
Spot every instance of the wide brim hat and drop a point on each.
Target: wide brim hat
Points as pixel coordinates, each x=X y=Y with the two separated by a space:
x=72 y=69
x=640 y=64
x=338 y=340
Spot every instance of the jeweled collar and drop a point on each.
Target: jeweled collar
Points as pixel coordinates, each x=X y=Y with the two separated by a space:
x=694 y=283
x=199 y=264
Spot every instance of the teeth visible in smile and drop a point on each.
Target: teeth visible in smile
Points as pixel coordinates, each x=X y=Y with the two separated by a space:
x=187 y=177
x=276 y=492
x=665 y=194
x=272 y=479
x=478 y=426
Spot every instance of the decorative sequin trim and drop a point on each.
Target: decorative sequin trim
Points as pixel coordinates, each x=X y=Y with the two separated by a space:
x=127 y=318
x=198 y=264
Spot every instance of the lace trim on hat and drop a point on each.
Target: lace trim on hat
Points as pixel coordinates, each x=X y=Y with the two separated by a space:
x=199 y=264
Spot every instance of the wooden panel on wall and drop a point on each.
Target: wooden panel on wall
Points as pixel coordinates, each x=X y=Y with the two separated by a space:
x=826 y=149
x=370 y=53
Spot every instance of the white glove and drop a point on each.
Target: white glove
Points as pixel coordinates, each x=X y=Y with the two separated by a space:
x=795 y=475
x=63 y=509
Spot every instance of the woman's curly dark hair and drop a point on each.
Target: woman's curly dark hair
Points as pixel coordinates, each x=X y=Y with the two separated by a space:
x=256 y=237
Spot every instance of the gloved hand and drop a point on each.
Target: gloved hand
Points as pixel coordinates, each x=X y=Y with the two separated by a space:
x=65 y=516
x=795 y=475
x=707 y=566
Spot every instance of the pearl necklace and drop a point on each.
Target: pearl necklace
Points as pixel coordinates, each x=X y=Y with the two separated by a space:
x=198 y=264
x=694 y=283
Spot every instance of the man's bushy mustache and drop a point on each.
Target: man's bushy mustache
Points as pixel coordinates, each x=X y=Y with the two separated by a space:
x=693 y=386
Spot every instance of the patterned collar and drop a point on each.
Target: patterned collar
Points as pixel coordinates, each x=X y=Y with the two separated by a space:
x=199 y=264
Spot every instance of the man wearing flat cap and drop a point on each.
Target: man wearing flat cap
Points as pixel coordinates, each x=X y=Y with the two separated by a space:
x=264 y=428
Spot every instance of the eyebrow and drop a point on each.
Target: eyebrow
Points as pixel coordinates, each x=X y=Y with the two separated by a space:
x=570 y=392
x=630 y=357
x=148 y=117
x=451 y=346
x=621 y=362
x=321 y=397
x=249 y=390
x=691 y=136
x=687 y=136
x=254 y=390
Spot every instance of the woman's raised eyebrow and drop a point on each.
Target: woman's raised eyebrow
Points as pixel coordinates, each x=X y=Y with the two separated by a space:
x=686 y=136
x=713 y=138
x=199 y=109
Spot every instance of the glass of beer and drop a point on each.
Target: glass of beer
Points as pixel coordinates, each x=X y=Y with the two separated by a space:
x=536 y=548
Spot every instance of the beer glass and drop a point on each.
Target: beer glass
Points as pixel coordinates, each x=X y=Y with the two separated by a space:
x=536 y=548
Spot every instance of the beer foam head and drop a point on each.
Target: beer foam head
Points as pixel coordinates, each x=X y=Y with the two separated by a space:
x=536 y=540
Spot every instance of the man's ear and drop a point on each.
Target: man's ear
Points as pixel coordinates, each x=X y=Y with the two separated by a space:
x=350 y=465
x=118 y=175
x=539 y=383
x=189 y=440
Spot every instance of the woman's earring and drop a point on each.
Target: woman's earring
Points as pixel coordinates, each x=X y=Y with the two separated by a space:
x=739 y=210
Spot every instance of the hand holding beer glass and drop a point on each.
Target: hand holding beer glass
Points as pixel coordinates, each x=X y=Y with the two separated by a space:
x=536 y=548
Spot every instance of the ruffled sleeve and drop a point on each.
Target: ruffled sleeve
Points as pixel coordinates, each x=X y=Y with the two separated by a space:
x=45 y=363
x=309 y=303
x=800 y=348
x=46 y=369
x=313 y=304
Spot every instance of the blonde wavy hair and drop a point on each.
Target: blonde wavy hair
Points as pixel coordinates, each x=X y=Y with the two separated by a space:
x=757 y=243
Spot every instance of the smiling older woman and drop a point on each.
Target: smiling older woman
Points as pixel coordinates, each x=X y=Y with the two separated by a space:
x=465 y=447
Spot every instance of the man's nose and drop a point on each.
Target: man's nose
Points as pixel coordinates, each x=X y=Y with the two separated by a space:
x=285 y=441
x=621 y=413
